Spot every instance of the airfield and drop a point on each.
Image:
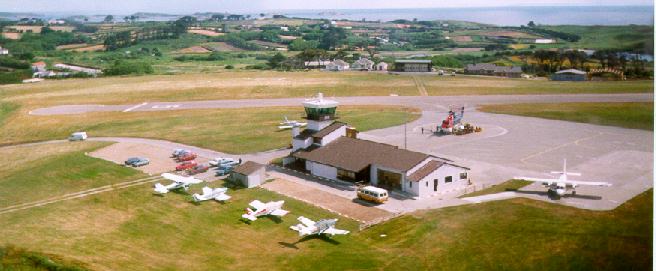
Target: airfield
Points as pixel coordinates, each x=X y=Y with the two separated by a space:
x=508 y=146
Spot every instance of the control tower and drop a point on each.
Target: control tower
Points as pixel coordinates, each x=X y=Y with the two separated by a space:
x=320 y=112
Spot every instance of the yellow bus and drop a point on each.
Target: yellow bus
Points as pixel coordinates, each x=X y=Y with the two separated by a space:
x=373 y=194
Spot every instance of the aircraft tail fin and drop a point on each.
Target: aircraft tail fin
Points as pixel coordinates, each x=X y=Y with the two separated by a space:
x=159 y=188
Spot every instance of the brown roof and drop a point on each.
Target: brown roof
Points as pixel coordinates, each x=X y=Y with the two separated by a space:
x=248 y=168
x=356 y=154
x=329 y=129
x=305 y=134
x=425 y=170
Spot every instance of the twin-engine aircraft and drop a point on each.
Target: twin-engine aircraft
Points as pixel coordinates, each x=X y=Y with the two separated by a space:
x=560 y=186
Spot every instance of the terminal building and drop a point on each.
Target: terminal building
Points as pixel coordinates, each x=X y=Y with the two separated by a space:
x=330 y=149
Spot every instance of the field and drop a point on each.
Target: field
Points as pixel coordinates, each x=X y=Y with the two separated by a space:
x=271 y=84
x=229 y=130
x=627 y=115
x=610 y=37
x=132 y=229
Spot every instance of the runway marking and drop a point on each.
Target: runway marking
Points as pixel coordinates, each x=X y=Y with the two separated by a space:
x=575 y=142
x=77 y=195
x=134 y=107
x=170 y=106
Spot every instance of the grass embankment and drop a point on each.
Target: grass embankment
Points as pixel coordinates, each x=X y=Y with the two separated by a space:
x=12 y=258
x=229 y=130
x=627 y=115
x=31 y=173
x=510 y=185
x=271 y=84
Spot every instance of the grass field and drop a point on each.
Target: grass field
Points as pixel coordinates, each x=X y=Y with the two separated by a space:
x=627 y=115
x=13 y=258
x=610 y=37
x=132 y=229
x=271 y=84
x=229 y=130
x=510 y=185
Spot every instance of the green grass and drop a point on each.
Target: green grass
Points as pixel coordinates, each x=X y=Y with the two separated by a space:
x=510 y=185
x=6 y=110
x=627 y=115
x=228 y=130
x=610 y=37
x=37 y=178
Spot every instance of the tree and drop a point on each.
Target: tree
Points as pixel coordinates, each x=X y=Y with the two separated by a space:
x=300 y=45
x=531 y=24
x=261 y=14
x=108 y=19
x=332 y=38
x=218 y=17
x=276 y=60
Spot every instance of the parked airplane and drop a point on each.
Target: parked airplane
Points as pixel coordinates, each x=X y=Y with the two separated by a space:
x=324 y=226
x=218 y=194
x=262 y=209
x=562 y=185
x=288 y=124
x=178 y=182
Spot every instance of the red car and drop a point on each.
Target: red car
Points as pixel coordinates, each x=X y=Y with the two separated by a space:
x=187 y=157
x=198 y=169
x=186 y=165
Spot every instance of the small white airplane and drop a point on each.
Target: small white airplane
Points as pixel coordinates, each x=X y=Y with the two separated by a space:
x=262 y=209
x=288 y=124
x=562 y=185
x=324 y=226
x=218 y=194
x=178 y=182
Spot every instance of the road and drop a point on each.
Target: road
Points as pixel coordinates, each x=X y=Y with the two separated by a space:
x=429 y=103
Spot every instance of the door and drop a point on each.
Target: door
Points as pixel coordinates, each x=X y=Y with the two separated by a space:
x=435 y=184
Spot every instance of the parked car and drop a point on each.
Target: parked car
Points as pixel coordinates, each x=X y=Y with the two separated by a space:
x=198 y=169
x=179 y=152
x=224 y=170
x=78 y=136
x=187 y=157
x=219 y=161
x=186 y=165
x=137 y=161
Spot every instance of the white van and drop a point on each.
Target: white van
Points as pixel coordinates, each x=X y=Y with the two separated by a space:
x=78 y=136
x=372 y=193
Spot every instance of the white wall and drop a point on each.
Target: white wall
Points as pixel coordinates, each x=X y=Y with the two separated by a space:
x=318 y=125
x=321 y=170
x=334 y=135
x=301 y=144
x=440 y=174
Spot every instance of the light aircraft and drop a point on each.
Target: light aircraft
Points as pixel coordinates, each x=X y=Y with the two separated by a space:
x=218 y=194
x=324 y=226
x=562 y=185
x=178 y=182
x=262 y=209
x=288 y=124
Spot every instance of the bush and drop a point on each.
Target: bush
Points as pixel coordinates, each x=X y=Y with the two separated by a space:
x=14 y=77
x=129 y=67
x=229 y=67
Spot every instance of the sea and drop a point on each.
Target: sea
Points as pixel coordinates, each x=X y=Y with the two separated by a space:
x=502 y=16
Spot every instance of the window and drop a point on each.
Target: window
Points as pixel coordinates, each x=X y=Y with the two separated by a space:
x=463 y=175
x=426 y=183
x=345 y=175
x=435 y=184
x=448 y=179
x=410 y=184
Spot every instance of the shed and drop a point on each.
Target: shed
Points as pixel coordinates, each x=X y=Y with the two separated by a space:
x=413 y=65
x=381 y=66
x=570 y=75
x=249 y=174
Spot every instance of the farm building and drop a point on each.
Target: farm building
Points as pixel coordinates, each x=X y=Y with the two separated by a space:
x=363 y=64
x=39 y=66
x=337 y=65
x=318 y=64
x=4 y=51
x=494 y=70
x=76 y=68
x=249 y=174
x=413 y=65
x=570 y=75
x=331 y=150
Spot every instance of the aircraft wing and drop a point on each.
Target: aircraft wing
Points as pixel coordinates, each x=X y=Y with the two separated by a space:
x=306 y=221
x=539 y=180
x=283 y=127
x=222 y=197
x=257 y=204
x=333 y=231
x=249 y=217
x=207 y=190
x=173 y=177
x=588 y=183
x=279 y=212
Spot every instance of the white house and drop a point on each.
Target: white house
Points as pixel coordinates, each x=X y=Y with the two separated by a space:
x=249 y=174
x=337 y=65
x=381 y=66
x=363 y=64
x=544 y=41
x=4 y=51
x=74 y=68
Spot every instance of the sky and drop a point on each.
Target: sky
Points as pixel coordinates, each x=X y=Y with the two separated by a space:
x=191 y=6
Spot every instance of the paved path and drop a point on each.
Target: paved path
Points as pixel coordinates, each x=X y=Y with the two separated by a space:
x=439 y=103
